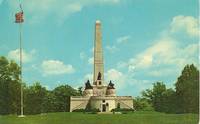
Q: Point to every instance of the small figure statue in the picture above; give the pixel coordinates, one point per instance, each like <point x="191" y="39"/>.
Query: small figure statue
<point x="88" y="85"/>
<point x="111" y="85"/>
<point x="99" y="76"/>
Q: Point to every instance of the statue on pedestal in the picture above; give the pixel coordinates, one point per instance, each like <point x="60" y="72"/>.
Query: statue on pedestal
<point x="111" y="85"/>
<point x="88" y="85"/>
<point x="99" y="76"/>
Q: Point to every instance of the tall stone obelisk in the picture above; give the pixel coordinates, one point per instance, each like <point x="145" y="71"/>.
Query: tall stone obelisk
<point x="98" y="75"/>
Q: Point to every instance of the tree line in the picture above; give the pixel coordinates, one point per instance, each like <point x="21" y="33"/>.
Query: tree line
<point x="183" y="99"/>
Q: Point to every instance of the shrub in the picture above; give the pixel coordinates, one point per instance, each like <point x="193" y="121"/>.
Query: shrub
<point x="122" y="110"/>
<point x="91" y="111"/>
<point x="79" y="110"/>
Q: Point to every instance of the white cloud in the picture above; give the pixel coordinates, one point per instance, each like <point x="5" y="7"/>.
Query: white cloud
<point x="113" y="74"/>
<point x="116" y="76"/>
<point x="119" y="40"/>
<point x="91" y="61"/>
<point x="123" y="81"/>
<point x="26" y="56"/>
<point x="123" y="39"/>
<point x="161" y="50"/>
<point x="188" y="24"/>
<point x="165" y="51"/>
<point x="112" y="49"/>
<point x="60" y="10"/>
<point x="56" y="67"/>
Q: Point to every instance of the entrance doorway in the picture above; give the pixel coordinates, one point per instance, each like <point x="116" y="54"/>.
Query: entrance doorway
<point x="103" y="108"/>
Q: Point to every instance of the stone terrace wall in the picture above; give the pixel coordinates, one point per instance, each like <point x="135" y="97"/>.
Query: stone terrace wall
<point x="125" y="102"/>
<point x="78" y="102"/>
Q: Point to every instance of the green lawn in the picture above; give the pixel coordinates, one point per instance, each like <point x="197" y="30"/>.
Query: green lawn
<point x="80" y="118"/>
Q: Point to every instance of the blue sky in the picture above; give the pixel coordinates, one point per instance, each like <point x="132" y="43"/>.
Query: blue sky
<point x="143" y="41"/>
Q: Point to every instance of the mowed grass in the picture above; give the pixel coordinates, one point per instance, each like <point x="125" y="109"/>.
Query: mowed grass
<point x="80" y="118"/>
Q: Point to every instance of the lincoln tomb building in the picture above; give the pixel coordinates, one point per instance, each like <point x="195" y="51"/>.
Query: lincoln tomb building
<point x="99" y="94"/>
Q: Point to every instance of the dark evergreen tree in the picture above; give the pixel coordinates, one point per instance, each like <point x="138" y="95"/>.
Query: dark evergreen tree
<point x="187" y="90"/>
<point x="169" y="101"/>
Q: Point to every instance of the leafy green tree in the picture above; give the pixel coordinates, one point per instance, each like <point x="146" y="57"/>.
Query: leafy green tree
<point x="142" y="104"/>
<point x="80" y="90"/>
<point x="62" y="97"/>
<point x="185" y="98"/>
<point x="187" y="90"/>
<point x="49" y="102"/>
<point x="9" y="87"/>
<point x="34" y="98"/>
<point x="156" y="96"/>
<point x="39" y="100"/>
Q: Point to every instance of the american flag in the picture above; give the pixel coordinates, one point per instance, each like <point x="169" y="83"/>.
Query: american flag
<point x="19" y="17"/>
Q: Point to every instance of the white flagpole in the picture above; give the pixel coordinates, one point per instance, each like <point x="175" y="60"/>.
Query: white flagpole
<point x="21" y="78"/>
